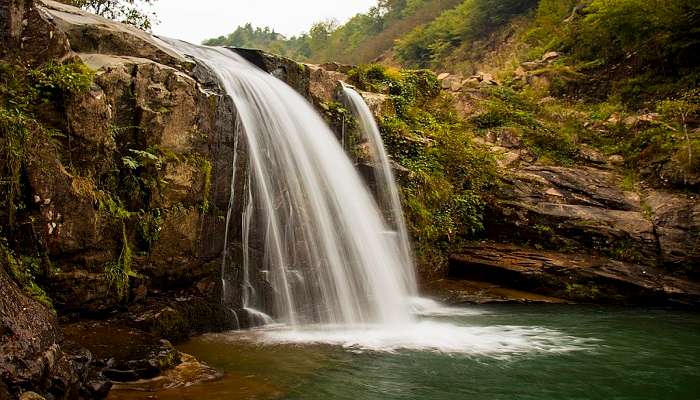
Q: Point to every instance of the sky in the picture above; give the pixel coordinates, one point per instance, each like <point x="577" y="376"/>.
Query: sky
<point x="197" y="20"/>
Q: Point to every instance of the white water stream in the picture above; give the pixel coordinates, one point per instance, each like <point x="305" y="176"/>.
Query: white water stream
<point x="386" y="187"/>
<point x="326" y="252"/>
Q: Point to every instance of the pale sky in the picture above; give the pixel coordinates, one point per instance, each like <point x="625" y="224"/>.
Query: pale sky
<point x="197" y="20"/>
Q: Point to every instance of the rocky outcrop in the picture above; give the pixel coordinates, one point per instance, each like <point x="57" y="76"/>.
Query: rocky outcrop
<point x="32" y="353"/>
<point x="578" y="233"/>
<point x="572" y="208"/>
<point x="27" y="34"/>
<point x="317" y="83"/>
<point x="581" y="278"/>
<point x="151" y="118"/>
<point x="91" y="34"/>
<point x="147" y="104"/>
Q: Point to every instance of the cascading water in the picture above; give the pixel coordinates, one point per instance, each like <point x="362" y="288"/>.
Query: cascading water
<point x="386" y="188"/>
<point x="326" y="254"/>
<point x="326" y="250"/>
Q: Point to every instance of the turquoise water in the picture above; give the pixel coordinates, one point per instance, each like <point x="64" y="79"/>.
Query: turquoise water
<point x="589" y="353"/>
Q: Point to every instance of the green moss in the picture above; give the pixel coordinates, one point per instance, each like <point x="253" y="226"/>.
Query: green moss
<point x="343" y="121"/>
<point x="205" y="168"/>
<point x="630" y="182"/>
<point x="25" y="271"/>
<point x="626" y="251"/>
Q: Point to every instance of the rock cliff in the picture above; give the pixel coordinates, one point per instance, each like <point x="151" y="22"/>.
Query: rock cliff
<point x="126" y="202"/>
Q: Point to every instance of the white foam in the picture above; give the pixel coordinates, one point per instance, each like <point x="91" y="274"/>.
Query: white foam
<point x="430" y="308"/>
<point x="492" y="341"/>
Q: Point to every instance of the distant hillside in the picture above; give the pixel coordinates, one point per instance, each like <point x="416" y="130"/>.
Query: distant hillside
<point x="362" y="39"/>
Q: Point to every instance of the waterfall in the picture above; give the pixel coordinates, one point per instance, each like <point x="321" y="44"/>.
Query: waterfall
<point x="387" y="191"/>
<point x="326" y="254"/>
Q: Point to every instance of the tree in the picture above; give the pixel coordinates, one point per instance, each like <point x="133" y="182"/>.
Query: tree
<point x="130" y="12"/>
<point x="681" y="110"/>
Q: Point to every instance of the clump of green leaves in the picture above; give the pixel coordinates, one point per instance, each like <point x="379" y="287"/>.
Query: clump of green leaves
<point x="150" y="224"/>
<point x="406" y="87"/>
<point x="25" y="88"/>
<point x="120" y="270"/>
<point x="53" y="81"/>
<point x="680" y="110"/>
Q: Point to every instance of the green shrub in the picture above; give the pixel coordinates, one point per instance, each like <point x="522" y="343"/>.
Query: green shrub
<point x="52" y="81"/>
<point x="547" y="136"/>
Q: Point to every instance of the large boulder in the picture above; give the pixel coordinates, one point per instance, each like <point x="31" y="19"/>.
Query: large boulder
<point x="27" y="34"/>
